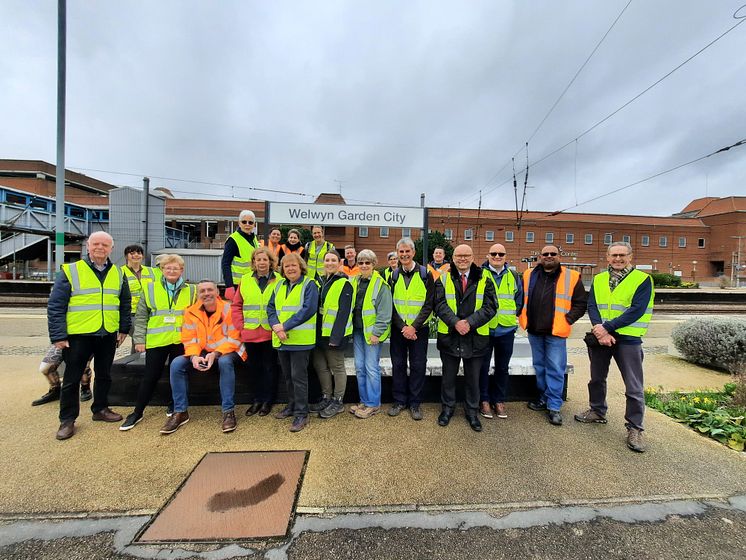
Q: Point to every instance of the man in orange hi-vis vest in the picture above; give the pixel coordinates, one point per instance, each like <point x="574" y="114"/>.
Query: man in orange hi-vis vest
<point x="553" y="299"/>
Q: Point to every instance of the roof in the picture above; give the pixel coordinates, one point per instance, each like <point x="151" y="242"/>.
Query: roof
<point x="724" y="206"/>
<point x="33" y="167"/>
<point x="530" y="218"/>
<point x="697" y="204"/>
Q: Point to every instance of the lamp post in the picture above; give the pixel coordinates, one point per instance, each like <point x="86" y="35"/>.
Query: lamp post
<point x="737" y="266"/>
<point x="655" y="265"/>
<point x="694" y="271"/>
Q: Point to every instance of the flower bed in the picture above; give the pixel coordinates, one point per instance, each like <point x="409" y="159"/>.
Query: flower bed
<point x="711" y="413"/>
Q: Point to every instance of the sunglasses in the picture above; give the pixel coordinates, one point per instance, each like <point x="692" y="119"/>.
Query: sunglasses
<point x="247" y="222"/>
<point x="548" y="254"/>
<point x="364" y="262"/>
<point x="496" y="254"/>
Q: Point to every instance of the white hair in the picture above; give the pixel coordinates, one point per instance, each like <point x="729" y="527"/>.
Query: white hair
<point x="247" y="213"/>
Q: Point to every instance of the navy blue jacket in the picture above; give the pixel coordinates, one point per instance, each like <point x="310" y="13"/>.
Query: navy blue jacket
<point x="636" y="310"/>
<point x="60" y="298"/>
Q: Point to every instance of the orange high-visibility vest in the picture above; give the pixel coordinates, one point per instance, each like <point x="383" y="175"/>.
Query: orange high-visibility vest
<point x="566" y="283"/>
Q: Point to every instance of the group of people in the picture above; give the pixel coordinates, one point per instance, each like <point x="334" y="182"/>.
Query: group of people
<point x="309" y="304"/>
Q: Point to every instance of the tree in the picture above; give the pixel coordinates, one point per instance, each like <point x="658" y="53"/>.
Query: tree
<point x="434" y="239"/>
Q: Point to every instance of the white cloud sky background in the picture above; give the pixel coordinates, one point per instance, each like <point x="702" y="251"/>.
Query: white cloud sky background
<point x="391" y="98"/>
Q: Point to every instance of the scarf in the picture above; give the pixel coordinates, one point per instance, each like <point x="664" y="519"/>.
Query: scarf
<point x="616" y="276"/>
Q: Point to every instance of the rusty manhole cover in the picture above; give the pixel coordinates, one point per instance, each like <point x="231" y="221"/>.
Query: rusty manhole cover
<point x="232" y="496"/>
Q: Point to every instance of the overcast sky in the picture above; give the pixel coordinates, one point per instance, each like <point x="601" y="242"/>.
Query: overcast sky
<point x="389" y="97"/>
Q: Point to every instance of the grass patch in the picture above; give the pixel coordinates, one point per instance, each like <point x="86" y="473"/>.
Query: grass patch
<point x="711" y="413"/>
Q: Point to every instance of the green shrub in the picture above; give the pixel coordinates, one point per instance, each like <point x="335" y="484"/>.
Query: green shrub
<point x="665" y="280"/>
<point x="713" y="341"/>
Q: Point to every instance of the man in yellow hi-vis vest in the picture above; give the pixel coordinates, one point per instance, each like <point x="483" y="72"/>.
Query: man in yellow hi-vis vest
<point x="88" y="314"/>
<point x="465" y="303"/>
<point x="620" y="306"/>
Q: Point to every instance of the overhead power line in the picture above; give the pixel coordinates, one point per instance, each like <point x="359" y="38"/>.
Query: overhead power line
<point x="741" y="19"/>
<point x="564" y="91"/>
<point x="209" y="183"/>
<point x="672" y="169"/>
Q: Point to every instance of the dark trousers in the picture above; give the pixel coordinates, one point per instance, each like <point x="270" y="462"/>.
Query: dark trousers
<point x="495" y="389"/>
<point x="261" y="360"/>
<point x="471" y="382"/>
<point x="294" y="365"/>
<point x="155" y="360"/>
<point x="408" y="389"/>
<point x="629" y="359"/>
<point x="76" y="357"/>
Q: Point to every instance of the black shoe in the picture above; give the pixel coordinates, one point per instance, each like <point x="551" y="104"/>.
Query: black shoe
<point x="321" y="405"/>
<point x="253" y="409"/>
<point x="555" y="417"/>
<point x="474" y="422"/>
<point x="130" y="422"/>
<point x="52" y="395"/>
<point x="444" y="418"/>
<point x="537" y="405"/>
<point x="85" y="393"/>
<point x="265" y="409"/>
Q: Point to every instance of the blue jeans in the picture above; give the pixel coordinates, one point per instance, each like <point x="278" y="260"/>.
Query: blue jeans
<point x="549" y="355"/>
<point x="367" y="369"/>
<point x="181" y="367"/>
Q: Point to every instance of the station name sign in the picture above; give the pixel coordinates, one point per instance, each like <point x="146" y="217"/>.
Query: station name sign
<point x="346" y="215"/>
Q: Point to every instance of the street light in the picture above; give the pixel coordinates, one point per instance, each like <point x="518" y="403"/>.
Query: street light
<point x="655" y="265"/>
<point x="694" y="271"/>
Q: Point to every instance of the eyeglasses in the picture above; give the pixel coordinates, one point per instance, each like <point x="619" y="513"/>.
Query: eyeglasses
<point x="618" y="255"/>
<point x="366" y="263"/>
<point x="496" y="254"/>
<point x="549" y="254"/>
<point x="251" y="223"/>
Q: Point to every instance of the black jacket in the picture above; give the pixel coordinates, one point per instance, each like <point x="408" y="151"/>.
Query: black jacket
<point x="472" y="344"/>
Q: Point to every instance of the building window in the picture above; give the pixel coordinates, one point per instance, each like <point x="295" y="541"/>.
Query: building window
<point x="529" y="237"/>
<point x="489" y="235"/>
<point x="384" y="231"/>
<point x="663" y="241"/>
<point x="645" y="240"/>
<point x="607" y="238"/>
<point x="549" y="237"/>
<point x="211" y="228"/>
<point x="448" y="234"/>
<point x="701" y="243"/>
<point x="406" y="232"/>
<point x="682" y="242"/>
<point x="509" y="236"/>
<point x="468" y="234"/>
<point x="626" y="238"/>
<point x="569" y="238"/>
<point x="362" y="231"/>
<point x="589" y="239"/>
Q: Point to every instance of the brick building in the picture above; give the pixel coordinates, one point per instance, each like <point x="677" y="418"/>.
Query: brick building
<point x="707" y="239"/>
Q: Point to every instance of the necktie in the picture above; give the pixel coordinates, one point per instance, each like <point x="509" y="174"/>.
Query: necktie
<point x="463" y="283"/>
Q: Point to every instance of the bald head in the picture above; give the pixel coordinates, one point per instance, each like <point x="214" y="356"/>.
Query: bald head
<point x="463" y="257"/>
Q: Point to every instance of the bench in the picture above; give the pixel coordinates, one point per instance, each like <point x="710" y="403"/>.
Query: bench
<point x="203" y="388"/>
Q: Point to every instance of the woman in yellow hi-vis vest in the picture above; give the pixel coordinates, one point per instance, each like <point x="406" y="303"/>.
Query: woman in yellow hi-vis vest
<point x="249" y="316"/>
<point x="157" y="330"/>
<point x="333" y="332"/>
<point x="292" y="315"/>
<point x="371" y="325"/>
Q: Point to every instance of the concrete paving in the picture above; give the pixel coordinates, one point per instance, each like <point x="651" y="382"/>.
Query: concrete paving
<point x="381" y="466"/>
